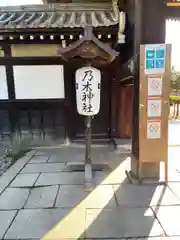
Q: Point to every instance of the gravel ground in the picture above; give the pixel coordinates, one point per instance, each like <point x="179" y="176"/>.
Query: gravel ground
<point x="5" y="162"/>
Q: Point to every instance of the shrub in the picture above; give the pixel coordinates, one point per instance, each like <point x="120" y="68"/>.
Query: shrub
<point x="174" y="99"/>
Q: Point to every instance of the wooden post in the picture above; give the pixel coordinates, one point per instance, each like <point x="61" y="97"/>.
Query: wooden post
<point x="153" y="115"/>
<point x="147" y="15"/>
<point x="88" y="161"/>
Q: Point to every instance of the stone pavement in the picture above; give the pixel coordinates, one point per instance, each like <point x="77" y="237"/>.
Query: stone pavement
<point x="40" y="199"/>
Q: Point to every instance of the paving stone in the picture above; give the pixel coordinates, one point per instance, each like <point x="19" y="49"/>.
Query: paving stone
<point x="109" y="178"/>
<point x="42" y="197"/>
<point x="6" y="217"/>
<point x="168" y="217"/>
<point x="77" y="154"/>
<point x="39" y="159"/>
<point x="13" y="198"/>
<point x="99" y="177"/>
<point x="175" y="188"/>
<point x="42" y="153"/>
<point x="36" y="223"/>
<point x="43" y="168"/>
<point x="67" y="157"/>
<point x="64" y="178"/>
<point x="101" y="197"/>
<point x="25" y="180"/>
<point x="122" y="223"/>
<point x="31" y="153"/>
<point x="70" y="196"/>
<point x="144" y="196"/>
<point x="10" y="174"/>
<point x="173" y="175"/>
<point x="148" y="238"/>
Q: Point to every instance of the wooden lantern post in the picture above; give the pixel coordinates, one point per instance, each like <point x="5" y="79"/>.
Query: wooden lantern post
<point x="88" y="53"/>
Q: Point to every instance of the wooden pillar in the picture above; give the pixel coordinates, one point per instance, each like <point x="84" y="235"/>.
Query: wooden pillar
<point x="153" y="21"/>
<point x="149" y="28"/>
<point x="12" y="113"/>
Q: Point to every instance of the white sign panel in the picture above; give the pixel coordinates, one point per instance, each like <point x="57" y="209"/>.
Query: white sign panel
<point x="154" y="107"/>
<point x="155" y="56"/>
<point x="155" y="86"/>
<point x="3" y="84"/>
<point x="39" y="82"/>
<point x="88" y="80"/>
<point x="153" y="129"/>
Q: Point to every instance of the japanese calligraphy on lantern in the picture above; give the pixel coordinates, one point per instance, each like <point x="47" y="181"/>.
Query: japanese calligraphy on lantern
<point x="154" y="129"/>
<point x="88" y="82"/>
<point x="154" y="107"/>
<point x="155" y="86"/>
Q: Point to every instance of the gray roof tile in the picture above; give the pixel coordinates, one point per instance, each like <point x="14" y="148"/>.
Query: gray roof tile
<point x="61" y="16"/>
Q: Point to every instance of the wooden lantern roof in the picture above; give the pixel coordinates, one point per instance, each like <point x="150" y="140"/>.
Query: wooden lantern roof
<point x="69" y="15"/>
<point x="90" y="50"/>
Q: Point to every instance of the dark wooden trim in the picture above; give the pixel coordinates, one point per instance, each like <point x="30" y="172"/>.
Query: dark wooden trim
<point x="32" y="61"/>
<point x="137" y="42"/>
<point x="29" y="101"/>
<point x="47" y="100"/>
<point x="4" y="102"/>
<point x="66" y="32"/>
<point x="9" y="73"/>
<point x="63" y="31"/>
<point x="172" y="12"/>
<point x="68" y="75"/>
<point x="114" y="109"/>
<point x="155" y="8"/>
<point x="57" y="40"/>
<point x="11" y="90"/>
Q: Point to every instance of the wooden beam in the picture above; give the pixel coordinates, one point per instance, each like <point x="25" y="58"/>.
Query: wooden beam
<point x="173" y="4"/>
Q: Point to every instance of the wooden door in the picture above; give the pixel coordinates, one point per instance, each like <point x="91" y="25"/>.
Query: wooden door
<point x="122" y="106"/>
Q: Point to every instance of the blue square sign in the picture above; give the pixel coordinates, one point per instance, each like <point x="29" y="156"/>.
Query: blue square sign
<point x="159" y="63"/>
<point x="160" y="53"/>
<point x="150" y="54"/>
<point x="150" y="64"/>
<point x="155" y="55"/>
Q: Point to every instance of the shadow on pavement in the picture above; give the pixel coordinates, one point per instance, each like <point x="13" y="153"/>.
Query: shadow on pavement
<point x="114" y="209"/>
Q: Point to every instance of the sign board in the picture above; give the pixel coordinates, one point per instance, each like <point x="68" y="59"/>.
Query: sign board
<point x="155" y="69"/>
<point x="154" y="129"/>
<point x="88" y="84"/>
<point x="154" y="107"/>
<point x="155" y="58"/>
<point x="155" y="86"/>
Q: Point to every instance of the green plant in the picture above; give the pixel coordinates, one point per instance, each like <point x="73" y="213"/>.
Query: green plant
<point x="175" y="80"/>
<point x="174" y="99"/>
<point x="17" y="156"/>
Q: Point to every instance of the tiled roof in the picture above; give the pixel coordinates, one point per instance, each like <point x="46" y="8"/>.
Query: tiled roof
<point x="57" y="16"/>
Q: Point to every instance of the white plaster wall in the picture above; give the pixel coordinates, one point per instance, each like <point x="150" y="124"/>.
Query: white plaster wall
<point x="19" y="2"/>
<point x="39" y="82"/>
<point x="3" y="84"/>
<point x="173" y="37"/>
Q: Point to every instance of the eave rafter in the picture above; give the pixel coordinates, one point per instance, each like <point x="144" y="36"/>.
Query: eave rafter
<point x="89" y="48"/>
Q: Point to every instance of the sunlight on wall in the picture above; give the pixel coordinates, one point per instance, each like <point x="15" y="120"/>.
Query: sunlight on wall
<point x="173" y="37"/>
<point x="19" y="2"/>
